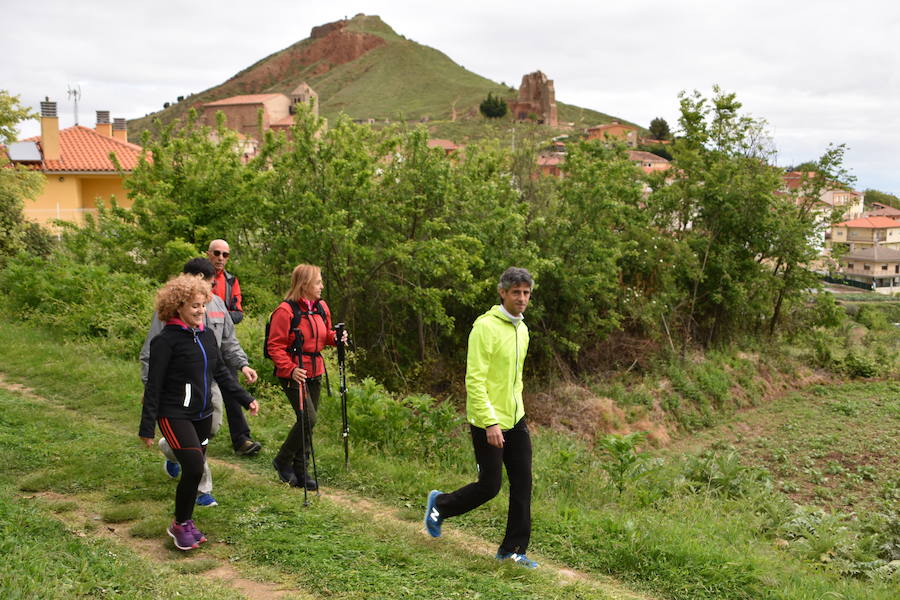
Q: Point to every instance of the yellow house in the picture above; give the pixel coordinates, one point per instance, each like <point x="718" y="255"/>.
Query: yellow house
<point x="76" y="162"/>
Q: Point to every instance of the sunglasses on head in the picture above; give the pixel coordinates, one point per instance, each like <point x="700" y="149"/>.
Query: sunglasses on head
<point x="224" y="253"/>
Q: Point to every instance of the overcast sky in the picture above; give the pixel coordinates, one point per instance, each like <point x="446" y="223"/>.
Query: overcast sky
<point x="819" y="72"/>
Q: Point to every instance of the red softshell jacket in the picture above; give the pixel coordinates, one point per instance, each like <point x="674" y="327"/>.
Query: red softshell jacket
<point x="316" y="334"/>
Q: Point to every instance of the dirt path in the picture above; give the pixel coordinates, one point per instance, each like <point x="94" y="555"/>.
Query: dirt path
<point x="222" y="570"/>
<point x="158" y="551"/>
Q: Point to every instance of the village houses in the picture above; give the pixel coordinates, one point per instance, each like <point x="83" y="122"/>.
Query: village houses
<point x="77" y="166"/>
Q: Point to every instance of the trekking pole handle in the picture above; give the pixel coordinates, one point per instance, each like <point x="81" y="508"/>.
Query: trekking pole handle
<point x="339" y="331"/>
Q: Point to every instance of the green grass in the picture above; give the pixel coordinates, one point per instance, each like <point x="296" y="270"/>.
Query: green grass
<point x="691" y="528"/>
<point x="43" y="558"/>
<point x="80" y="443"/>
<point x="831" y="446"/>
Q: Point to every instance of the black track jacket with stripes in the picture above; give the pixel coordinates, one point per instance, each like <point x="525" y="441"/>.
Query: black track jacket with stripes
<point x="183" y="363"/>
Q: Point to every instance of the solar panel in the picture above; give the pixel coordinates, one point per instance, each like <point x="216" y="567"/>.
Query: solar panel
<point x="24" y="152"/>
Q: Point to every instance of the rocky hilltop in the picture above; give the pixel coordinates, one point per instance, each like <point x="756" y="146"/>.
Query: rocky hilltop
<point x="363" y="68"/>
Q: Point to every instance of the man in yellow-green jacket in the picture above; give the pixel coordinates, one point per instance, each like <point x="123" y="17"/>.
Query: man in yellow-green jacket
<point x="497" y="346"/>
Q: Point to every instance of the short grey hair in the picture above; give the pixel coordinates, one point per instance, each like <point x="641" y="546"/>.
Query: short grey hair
<point x="515" y="276"/>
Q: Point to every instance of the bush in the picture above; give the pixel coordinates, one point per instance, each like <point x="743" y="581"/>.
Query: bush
<point x="625" y="464"/>
<point x="411" y="426"/>
<point x="856" y="364"/>
<point x="493" y="107"/>
<point x="721" y="474"/>
<point x="873" y="318"/>
<point x="84" y="301"/>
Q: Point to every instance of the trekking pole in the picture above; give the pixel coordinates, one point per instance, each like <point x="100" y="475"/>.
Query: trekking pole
<point x="312" y="450"/>
<point x="339" y="330"/>
<point x="296" y="349"/>
<point x="301" y="393"/>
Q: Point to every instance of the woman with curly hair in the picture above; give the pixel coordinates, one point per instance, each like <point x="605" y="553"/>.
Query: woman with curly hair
<point x="184" y="359"/>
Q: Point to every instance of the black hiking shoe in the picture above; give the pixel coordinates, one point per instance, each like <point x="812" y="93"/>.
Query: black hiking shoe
<point x="286" y="474"/>
<point x="248" y="448"/>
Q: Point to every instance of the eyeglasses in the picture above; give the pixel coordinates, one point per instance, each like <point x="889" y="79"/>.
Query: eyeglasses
<point x="224" y="254"/>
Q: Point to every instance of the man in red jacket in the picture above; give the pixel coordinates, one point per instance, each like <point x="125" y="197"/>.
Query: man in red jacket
<point x="224" y="284"/>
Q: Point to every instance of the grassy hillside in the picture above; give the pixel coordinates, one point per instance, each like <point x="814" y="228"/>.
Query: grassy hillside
<point x="398" y="79"/>
<point x="686" y="525"/>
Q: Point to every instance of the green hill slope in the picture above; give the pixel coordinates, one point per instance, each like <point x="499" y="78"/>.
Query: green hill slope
<point x="363" y="68"/>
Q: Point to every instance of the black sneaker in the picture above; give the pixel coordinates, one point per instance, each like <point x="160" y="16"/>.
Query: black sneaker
<point x="286" y="474"/>
<point x="248" y="448"/>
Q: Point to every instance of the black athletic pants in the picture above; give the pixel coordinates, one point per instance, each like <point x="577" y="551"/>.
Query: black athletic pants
<point x="237" y="423"/>
<point x="516" y="456"/>
<point x="293" y="451"/>
<point x="188" y="440"/>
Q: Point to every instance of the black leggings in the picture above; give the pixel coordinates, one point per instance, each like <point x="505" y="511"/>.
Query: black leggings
<point x="516" y="456"/>
<point x="188" y="440"/>
<point x="293" y="452"/>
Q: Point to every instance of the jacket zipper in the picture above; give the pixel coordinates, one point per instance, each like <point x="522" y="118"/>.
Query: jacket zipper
<point x="515" y="376"/>
<point x="205" y="369"/>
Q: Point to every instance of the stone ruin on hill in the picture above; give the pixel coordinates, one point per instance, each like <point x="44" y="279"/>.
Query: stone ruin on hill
<point x="537" y="100"/>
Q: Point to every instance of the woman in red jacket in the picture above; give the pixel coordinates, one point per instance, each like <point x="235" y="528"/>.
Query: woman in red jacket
<point x="299" y="329"/>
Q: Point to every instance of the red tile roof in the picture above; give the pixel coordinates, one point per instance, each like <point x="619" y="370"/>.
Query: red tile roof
<point x="871" y="223"/>
<point x="645" y="156"/>
<point x="549" y="160"/>
<point x="245" y="99"/>
<point x="445" y="144"/>
<point x="287" y="121"/>
<point x="83" y="149"/>
<point x="794" y="179"/>
<point x="887" y="211"/>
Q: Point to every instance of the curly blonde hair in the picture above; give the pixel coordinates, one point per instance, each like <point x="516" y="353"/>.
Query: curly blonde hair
<point x="179" y="290"/>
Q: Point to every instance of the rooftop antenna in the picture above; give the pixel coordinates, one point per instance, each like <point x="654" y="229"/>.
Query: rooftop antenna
<point x="74" y="94"/>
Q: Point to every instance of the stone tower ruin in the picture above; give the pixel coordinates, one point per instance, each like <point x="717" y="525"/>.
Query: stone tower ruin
<point x="537" y="100"/>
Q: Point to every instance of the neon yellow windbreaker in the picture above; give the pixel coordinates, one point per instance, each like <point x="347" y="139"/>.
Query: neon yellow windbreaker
<point x="494" y="365"/>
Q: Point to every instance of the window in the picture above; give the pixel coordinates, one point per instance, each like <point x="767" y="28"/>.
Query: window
<point x="849" y="265"/>
<point x="884" y="267"/>
<point x="867" y="267"/>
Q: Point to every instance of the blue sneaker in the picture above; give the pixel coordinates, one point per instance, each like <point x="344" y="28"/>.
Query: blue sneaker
<point x="519" y="559"/>
<point x="172" y="468"/>
<point x="433" y="518"/>
<point x="206" y="500"/>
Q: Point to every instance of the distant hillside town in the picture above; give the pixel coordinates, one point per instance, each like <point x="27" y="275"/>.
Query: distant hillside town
<point x="76" y="161"/>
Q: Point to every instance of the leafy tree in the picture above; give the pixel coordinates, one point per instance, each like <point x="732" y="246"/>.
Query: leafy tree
<point x="190" y="192"/>
<point x="583" y="241"/>
<point x="17" y="184"/>
<point x="399" y="229"/>
<point x="722" y="209"/>
<point x="804" y="167"/>
<point x="882" y="198"/>
<point x="797" y="234"/>
<point x="493" y="107"/>
<point x="11" y="114"/>
<point x="411" y="242"/>
<point x="659" y="129"/>
<point x="662" y="150"/>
